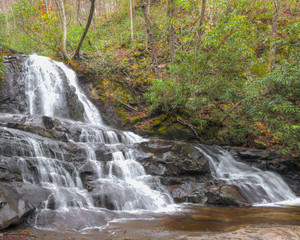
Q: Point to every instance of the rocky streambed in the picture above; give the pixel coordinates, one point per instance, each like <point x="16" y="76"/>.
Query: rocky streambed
<point x="179" y="166"/>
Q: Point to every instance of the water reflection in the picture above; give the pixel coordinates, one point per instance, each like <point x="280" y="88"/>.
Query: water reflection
<point x="218" y="219"/>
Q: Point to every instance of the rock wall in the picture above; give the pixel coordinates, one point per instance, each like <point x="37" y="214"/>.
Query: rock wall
<point x="12" y="90"/>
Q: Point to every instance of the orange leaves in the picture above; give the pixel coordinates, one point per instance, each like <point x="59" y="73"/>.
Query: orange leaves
<point x="46" y="10"/>
<point x="261" y="127"/>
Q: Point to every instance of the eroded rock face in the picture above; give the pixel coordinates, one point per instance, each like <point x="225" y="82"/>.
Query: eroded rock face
<point x="12" y="90"/>
<point x="185" y="173"/>
<point x="177" y="165"/>
<point x="13" y="208"/>
<point x="171" y="158"/>
<point x="268" y="160"/>
<point x="13" y="98"/>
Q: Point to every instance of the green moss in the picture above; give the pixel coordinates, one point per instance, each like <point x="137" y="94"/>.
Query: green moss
<point x="57" y="121"/>
<point x="187" y="150"/>
<point x="260" y="145"/>
<point x="163" y="129"/>
<point x="177" y="131"/>
<point x="17" y="175"/>
<point x="259" y="70"/>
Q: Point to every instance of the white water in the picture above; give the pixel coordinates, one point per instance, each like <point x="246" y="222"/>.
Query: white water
<point x="46" y="83"/>
<point x="257" y="186"/>
<point x="121" y="183"/>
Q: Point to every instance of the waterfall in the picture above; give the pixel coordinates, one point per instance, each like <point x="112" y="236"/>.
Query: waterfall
<point x="91" y="171"/>
<point x="118" y="184"/>
<point x="49" y="85"/>
<point x="257" y="186"/>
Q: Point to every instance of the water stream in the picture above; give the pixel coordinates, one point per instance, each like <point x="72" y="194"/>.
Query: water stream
<point x="257" y="186"/>
<point x="121" y="184"/>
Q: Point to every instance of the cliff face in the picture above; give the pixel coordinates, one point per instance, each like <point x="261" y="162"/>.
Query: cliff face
<point x="12" y="90"/>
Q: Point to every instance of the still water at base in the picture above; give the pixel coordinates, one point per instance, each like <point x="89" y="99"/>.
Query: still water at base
<point x="191" y="220"/>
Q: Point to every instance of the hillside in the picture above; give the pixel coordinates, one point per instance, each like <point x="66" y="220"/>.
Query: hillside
<point x="218" y="72"/>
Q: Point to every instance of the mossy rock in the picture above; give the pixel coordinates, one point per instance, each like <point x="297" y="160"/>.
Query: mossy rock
<point x="232" y="136"/>
<point x="260" y="145"/>
<point x="175" y="131"/>
<point x="230" y="195"/>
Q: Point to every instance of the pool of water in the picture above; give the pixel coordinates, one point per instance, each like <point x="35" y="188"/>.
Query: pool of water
<point x="190" y="220"/>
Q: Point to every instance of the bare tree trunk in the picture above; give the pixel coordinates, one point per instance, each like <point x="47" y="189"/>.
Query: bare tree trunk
<point x="274" y="33"/>
<point x="147" y="40"/>
<point x="6" y="19"/>
<point x="151" y="39"/>
<point x="92" y="9"/>
<point x="64" y="22"/>
<point x="202" y="14"/>
<point x="131" y="19"/>
<point x="170" y="14"/>
<point x="79" y="12"/>
<point x="211" y="14"/>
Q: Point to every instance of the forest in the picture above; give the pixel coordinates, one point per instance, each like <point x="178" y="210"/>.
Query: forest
<point x="217" y="71"/>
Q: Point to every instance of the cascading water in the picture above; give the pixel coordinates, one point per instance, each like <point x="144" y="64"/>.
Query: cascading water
<point x="49" y="85"/>
<point x="88" y="168"/>
<point x="257" y="186"/>
<point x="119" y="184"/>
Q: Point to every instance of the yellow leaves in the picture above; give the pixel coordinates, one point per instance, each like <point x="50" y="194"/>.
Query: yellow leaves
<point x="277" y="137"/>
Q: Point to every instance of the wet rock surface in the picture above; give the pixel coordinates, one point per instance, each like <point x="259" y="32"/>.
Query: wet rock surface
<point x="171" y="158"/>
<point x="179" y="166"/>
<point x="13" y="207"/>
<point x="13" y="98"/>
<point x="12" y="92"/>
<point x="185" y="172"/>
<point x="265" y="160"/>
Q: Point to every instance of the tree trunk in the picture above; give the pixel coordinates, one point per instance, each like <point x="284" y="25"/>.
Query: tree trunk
<point x="64" y="22"/>
<point x="151" y="39"/>
<point x="211" y="14"/>
<point x="170" y="14"/>
<point x="202" y="14"/>
<point x="147" y="40"/>
<point x="79" y="12"/>
<point x="92" y="9"/>
<point x="5" y="16"/>
<point x="274" y="33"/>
<point x="131" y="19"/>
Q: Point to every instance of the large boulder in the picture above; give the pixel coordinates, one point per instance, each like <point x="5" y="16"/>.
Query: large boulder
<point x="13" y="208"/>
<point x="185" y="173"/>
<point x="172" y="158"/>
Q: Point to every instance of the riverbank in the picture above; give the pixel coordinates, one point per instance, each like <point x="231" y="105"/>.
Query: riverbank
<point x="265" y="232"/>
